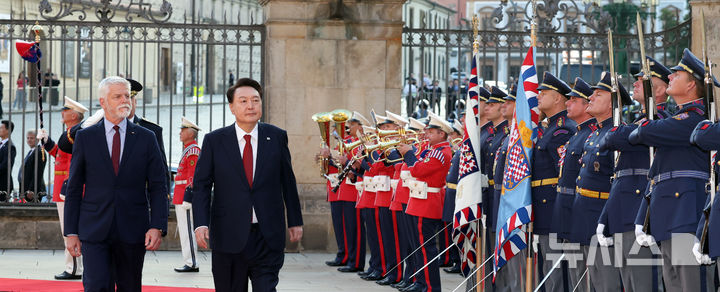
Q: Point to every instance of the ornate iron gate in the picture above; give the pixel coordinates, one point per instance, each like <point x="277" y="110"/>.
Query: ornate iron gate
<point x="572" y="42"/>
<point x="183" y="62"/>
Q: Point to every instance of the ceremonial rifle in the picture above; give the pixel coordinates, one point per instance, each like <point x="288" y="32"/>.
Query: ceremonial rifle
<point x="711" y="114"/>
<point x="649" y="100"/>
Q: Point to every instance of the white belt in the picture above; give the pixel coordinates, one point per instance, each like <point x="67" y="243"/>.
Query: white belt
<point x="420" y="189"/>
<point x="382" y="183"/>
<point x="394" y="183"/>
<point x="333" y="178"/>
<point x="181" y="182"/>
<point x="406" y="177"/>
<point x="348" y="181"/>
<point x="359" y="186"/>
<point x="369" y="184"/>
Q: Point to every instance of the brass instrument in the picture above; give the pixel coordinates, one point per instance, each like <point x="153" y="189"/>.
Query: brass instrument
<point x="340" y="117"/>
<point x="455" y="142"/>
<point x="323" y="120"/>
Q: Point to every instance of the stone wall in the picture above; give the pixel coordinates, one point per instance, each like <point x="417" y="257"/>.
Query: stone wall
<point x="711" y="8"/>
<point x="316" y="64"/>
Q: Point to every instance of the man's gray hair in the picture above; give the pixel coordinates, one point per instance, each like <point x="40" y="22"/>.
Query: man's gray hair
<point x="111" y="80"/>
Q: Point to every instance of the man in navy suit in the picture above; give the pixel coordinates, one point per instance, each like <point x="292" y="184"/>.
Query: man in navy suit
<point x="248" y="164"/>
<point x="116" y="204"/>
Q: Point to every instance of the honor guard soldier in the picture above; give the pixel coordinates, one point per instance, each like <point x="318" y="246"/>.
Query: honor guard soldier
<point x="510" y="278"/>
<point x="593" y="185"/>
<point x="628" y="186"/>
<point x="451" y="258"/>
<point x="501" y="129"/>
<point x="135" y="88"/>
<point x="569" y="164"/>
<point x="660" y="80"/>
<point x="426" y="197"/>
<point x="553" y="133"/>
<point x="706" y="136"/>
<point x="353" y="228"/>
<point x="678" y="176"/>
<point x="72" y="114"/>
<point x="183" y="183"/>
<point x="405" y="221"/>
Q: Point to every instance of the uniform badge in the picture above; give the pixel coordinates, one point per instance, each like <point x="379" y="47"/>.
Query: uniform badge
<point x="596" y="165"/>
<point x="560" y="122"/>
<point x="192" y="162"/>
<point x="681" y="116"/>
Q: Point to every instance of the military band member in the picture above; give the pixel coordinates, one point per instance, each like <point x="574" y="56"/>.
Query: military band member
<point x="510" y="277"/>
<point x="427" y="195"/>
<point x="553" y="133"/>
<point x="399" y="206"/>
<point x="353" y="227"/>
<point x="72" y="114"/>
<point x="371" y="165"/>
<point x="678" y="175"/>
<point x="183" y="208"/>
<point x="384" y="192"/>
<point x="593" y="187"/>
<point x="628" y="188"/>
<point x="569" y="163"/>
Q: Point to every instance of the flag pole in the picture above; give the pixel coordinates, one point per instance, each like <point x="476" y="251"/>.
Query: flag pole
<point x="480" y="243"/>
<point x="529" y="259"/>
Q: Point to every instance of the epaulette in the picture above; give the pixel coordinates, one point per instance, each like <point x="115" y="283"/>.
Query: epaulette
<point x="149" y="122"/>
<point x="194" y="151"/>
<point x="437" y="154"/>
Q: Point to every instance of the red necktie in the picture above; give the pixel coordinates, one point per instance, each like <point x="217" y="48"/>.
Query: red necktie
<point x="116" y="149"/>
<point x="248" y="159"/>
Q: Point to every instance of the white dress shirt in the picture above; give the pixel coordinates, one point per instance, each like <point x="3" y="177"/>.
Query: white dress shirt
<point x="254" y="144"/>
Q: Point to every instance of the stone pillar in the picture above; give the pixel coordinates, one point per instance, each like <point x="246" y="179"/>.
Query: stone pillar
<point x="711" y="8"/>
<point x="317" y="64"/>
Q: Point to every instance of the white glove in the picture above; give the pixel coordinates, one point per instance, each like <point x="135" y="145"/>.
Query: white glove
<point x="42" y="135"/>
<point x="602" y="240"/>
<point x="701" y="258"/>
<point x="642" y="238"/>
<point x="484" y="181"/>
<point x="186" y="205"/>
<point x="536" y="243"/>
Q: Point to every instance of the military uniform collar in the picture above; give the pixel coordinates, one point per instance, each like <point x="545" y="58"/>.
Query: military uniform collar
<point x="558" y="115"/>
<point x="586" y="124"/>
<point x="501" y="125"/>
<point x="441" y="144"/>
<point x="697" y="102"/>
<point x="191" y="143"/>
<point x="487" y="124"/>
<point x="606" y="123"/>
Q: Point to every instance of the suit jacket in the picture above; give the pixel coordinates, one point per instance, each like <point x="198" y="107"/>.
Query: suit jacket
<point x="157" y="130"/>
<point x="228" y="212"/>
<point x="29" y="173"/>
<point x="6" y="166"/>
<point x="119" y="200"/>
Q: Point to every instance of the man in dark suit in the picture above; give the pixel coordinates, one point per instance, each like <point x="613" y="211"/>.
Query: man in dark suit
<point x="6" y="160"/>
<point x="135" y="88"/>
<point x="248" y="163"/>
<point x="116" y="200"/>
<point x="30" y="175"/>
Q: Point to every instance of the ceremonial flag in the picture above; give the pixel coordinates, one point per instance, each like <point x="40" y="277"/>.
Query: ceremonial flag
<point x="515" y="206"/>
<point x="469" y="188"/>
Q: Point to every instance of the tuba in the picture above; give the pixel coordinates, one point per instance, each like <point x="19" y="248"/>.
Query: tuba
<point x="323" y="120"/>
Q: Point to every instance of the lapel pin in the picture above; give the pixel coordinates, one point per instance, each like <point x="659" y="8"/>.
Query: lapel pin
<point x="268" y="138"/>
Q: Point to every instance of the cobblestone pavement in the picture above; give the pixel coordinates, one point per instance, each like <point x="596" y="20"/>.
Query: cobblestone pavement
<point x="301" y="272"/>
